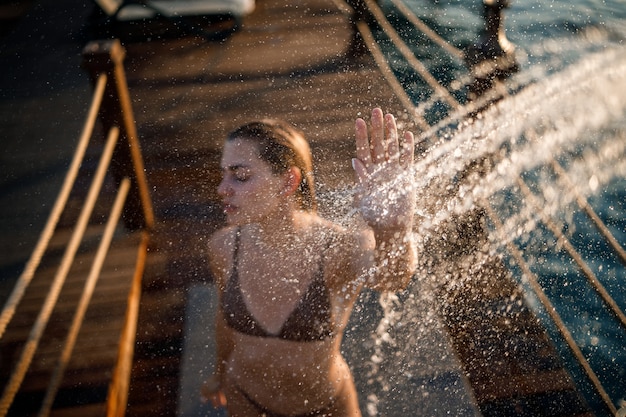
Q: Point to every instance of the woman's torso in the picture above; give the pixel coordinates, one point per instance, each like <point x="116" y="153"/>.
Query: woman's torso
<point x="279" y="370"/>
<point x="288" y="377"/>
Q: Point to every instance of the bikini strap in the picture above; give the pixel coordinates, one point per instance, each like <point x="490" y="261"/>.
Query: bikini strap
<point x="236" y="247"/>
<point x="327" y="248"/>
<point x="321" y="266"/>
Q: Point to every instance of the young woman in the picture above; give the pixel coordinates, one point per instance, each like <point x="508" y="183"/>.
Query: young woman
<point x="288" y="279"/>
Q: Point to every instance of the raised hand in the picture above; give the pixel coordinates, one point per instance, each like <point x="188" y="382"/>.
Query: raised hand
<point x="383" y="166"/>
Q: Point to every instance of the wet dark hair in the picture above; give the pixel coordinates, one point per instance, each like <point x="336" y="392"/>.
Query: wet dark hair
<point x="282" y="146"/>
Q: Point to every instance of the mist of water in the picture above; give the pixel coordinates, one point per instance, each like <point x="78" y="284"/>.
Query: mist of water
<point x="574" y="118"/>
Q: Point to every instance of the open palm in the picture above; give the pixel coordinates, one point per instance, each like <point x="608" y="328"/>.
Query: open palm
<point x="384" y="162"/>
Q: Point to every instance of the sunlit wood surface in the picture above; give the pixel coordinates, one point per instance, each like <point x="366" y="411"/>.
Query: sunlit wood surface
<point x="84" y="387"/>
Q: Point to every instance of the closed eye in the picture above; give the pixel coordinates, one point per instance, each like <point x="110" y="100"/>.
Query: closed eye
<point x="238" y="173"/>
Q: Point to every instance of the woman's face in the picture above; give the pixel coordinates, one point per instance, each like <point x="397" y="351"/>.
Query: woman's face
<point x="250" y="191"/>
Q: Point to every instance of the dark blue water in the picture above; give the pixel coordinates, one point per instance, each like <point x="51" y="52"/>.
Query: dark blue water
<point x="549" y="36"/>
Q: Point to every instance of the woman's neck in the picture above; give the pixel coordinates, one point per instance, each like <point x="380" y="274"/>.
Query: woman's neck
<point x="281" y="229"/>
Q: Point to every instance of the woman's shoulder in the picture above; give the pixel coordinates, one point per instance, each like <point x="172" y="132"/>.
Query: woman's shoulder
<point x="220" y="250"/>
<point x="223" y="238"/>
<point x="343" y="248"/>
<point x="349" y="234"/>
<point x="325" y="229"/>
<point x="341" y="242"/>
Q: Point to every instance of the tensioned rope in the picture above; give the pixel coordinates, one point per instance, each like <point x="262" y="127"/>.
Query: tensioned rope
<point x="387" y="72"/>
<point x="34" y="337"/>
<point x="551" y="311"/>
<point x="403" y="48"/>
<point x="586" y="207"/>
<point x="589" y="211"/>
<point x="88" y="290"/>
<point x="117" y="396"/>
<point x="556" y="230"/>
<point x="426" y="30"/>
<point x="44" y="239"/>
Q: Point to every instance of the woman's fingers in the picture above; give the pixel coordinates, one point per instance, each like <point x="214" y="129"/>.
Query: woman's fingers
<point x="382" y="143"/>
<point x="406" y="150"/>
<point x="211" y="392"/>
<point x="359" y="170"/>
<point x="363" y="152"/>
<point x="378" y="143"/>
<point x="391" y="133"/>
<point x="371" y="147"/>
<point x="384" y="195"/>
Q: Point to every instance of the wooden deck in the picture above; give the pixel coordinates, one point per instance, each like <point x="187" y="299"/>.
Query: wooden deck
<point x="83" y="390"/>
<point x="288" y="61"/>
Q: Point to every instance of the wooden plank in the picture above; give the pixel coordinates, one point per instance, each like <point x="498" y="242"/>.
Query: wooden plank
<point x="118" y="388"/>
<point x="95" y="352"/>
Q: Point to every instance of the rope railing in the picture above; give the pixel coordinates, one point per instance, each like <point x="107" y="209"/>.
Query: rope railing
<point x="551" y="311"/>
<point x="22" y="365"/>
<point x="122" y="158"/>
<point x="118" y="388"/>
<point x="426" y="30"/>
<point x="589" y="274"/>
<point x="88" y="290"/>
<point x="586" y="207"/>
<point x="44" y="239"/>
<point x="590" y="212"/>
<point x="457" y="112"/>
<point x="393" y="82"/>
<point x="406" y="52"/>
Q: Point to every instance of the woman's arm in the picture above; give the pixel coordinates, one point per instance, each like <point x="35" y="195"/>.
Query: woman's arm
<point x="386" y="199"/>
<point x="225" y="345"/>
<point x="212" y="387"/>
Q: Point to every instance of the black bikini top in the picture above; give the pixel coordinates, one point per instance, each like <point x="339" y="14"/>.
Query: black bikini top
<point x="309" y="321"/>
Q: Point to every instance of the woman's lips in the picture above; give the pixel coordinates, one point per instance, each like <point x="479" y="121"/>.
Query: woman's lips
<point x="229" y="208"/>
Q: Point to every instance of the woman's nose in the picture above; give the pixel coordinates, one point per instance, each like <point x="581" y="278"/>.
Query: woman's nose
<point x="223" y="189"/>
